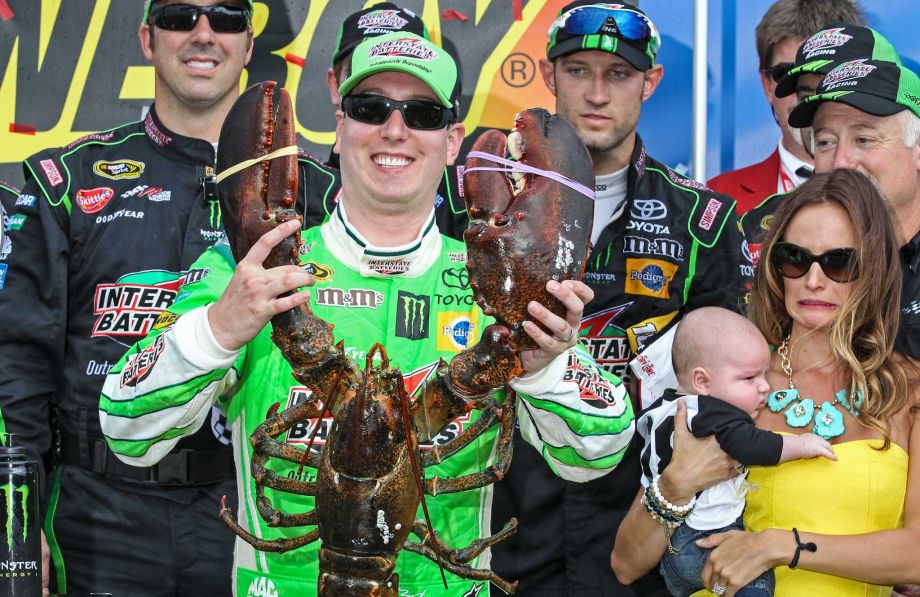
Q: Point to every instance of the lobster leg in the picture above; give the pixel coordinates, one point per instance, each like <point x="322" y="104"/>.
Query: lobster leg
<point x="456" y="560"/>
<point x="496" y="472"/>
<point x="275" y="545"/>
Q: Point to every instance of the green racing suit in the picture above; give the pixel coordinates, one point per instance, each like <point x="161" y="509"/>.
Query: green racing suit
<point x="417" y="301"/>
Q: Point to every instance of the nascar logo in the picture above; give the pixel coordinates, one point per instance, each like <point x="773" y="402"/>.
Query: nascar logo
<point x="119" y="169"/>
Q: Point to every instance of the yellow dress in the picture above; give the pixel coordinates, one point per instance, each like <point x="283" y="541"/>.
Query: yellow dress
<point x="863" y="491"/>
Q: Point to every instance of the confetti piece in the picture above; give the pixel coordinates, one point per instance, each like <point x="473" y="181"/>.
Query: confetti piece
<point x="518" y="10"/>
<point x="450" y="13"/>
<point x="6" y="13"/>
<point x="292" y="58"/>
<point x="22" y="129"/>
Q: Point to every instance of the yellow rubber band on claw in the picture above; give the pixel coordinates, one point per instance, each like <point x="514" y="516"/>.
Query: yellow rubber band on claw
<point x="289" y="150"/>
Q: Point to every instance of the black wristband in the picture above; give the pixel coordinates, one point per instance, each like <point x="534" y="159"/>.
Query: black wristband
<point x="799" y="546"/>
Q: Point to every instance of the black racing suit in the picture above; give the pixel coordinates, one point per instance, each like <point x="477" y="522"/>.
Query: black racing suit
<point x="674" y="247"/>
<point x="110" y="225"/>
<point x="9" y="195"/>
<point x="756" y="222"/>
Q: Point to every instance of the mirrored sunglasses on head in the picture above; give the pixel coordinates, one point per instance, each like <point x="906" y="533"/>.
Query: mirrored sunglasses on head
<point x="793" y="261"/>
<point x="184" y="17"/>
<point x="421" y="115"/>
<point x="622" y="22"/>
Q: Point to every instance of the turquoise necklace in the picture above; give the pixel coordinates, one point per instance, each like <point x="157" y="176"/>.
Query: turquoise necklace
<point x="828" y="420"/>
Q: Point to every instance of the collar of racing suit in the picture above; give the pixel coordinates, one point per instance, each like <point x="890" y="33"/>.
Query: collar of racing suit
<point x="410" y="260"/>
<point x="176" y="146"/>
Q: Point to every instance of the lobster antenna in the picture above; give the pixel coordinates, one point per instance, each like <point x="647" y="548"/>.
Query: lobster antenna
<point x="333" y="389"/>
<point x="416" y="471"/>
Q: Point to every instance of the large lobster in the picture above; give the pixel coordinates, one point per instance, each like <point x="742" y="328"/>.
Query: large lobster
<point x="526" y="229"/>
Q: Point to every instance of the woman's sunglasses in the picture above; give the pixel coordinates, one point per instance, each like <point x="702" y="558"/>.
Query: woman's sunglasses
<point x="184" y="17"/>
<point x="417" y="114"/>
<point x="792" y="261"/>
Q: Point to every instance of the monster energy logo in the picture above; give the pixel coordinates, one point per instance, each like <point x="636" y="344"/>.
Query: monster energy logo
<point x="412" y="315"/>
<point x="9" y="494"/>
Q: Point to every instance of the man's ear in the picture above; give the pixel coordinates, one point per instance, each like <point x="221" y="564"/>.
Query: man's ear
<point x="455" y="136"/>
<point x="547" y="71"/>
<point x="252" y="43"/>
<point x="700" y="380"/>
<point x="653" y="77"/>
<point x="333" y="86"/>
<point x="146" y="39"/>
<point x="339" y="123"/>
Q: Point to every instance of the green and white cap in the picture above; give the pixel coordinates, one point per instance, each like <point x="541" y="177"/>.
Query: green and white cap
<point x="406" y="53"/>
<point x="148" y="4"/>
<point x="876" y="87"/>
<point x="833" y="45"/>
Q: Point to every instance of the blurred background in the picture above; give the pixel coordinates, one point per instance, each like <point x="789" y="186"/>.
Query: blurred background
<point x="71" y="67"/>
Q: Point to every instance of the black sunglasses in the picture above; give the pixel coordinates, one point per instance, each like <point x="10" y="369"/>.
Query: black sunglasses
<point x="184" y="17"/>
<point x="778" y="70"/>
<point x="422" y="115"/>
<point x="792" y="261"/>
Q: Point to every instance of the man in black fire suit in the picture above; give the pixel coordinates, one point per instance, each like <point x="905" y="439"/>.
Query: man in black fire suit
<point x="662" y="245"/>
<point x="106" y="229"/>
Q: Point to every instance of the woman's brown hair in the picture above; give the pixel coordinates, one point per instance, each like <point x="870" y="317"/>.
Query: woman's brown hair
<point x="862" y="336"/>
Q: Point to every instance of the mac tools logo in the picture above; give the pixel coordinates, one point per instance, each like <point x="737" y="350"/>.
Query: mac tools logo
<point x="823" y="42"/>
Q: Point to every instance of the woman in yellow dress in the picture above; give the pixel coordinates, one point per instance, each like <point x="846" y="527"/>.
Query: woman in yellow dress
<point x="826" y="295"/>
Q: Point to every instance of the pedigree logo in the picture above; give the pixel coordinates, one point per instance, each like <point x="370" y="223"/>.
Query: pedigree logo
<point x="92" y="200"/>
<point x="406" y="47"/>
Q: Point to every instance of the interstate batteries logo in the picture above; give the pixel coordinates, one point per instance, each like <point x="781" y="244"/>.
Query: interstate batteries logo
<point x="414" y="382"/>
<point x="405" y="47"/>
<point x="130" y="307"/>
<point x="847" y="74"/>
<point x="381" y="21"/>
<point x="824" y="42"/>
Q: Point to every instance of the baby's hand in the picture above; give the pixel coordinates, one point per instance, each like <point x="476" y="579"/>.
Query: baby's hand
<point x="810" y="446"/>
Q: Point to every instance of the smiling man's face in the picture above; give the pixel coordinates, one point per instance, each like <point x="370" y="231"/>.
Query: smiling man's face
<point x="196" y="69"/>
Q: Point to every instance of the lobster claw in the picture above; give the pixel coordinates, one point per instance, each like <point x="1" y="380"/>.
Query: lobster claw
<point x="526" y="228"/>
<point x="260" y="196"/>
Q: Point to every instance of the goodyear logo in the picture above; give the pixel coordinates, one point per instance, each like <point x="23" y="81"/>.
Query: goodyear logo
<point x="649" y="277"/>
<point x="412" y="314"/>
<point x="457" y="330"/>
<point x="118" y="169"/>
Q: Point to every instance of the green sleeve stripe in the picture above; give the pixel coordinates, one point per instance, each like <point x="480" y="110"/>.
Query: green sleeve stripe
<point x="162" y="399"/>
<point x="585" y="424"/>
<point x="691" y="269"/>
<point x="135" y="448"/>
<point x="568" y="456"/>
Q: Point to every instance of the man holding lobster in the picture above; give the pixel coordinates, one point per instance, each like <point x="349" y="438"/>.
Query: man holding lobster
<point x="380" y="272"/>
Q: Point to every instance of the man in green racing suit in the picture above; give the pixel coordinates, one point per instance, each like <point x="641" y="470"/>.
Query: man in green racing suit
<point x="380" y="271"/>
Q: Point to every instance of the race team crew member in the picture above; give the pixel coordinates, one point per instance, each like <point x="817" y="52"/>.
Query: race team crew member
<point x="662" y="245"/>
<point x="865" y="115"/>
<point x="214" y="345"/>
<point x="104" y="234"/>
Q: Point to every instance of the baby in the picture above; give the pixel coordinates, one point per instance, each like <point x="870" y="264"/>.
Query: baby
<point x="720" y="359"/>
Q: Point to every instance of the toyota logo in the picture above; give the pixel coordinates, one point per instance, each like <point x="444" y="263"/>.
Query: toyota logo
<point x="648" y="209"/>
